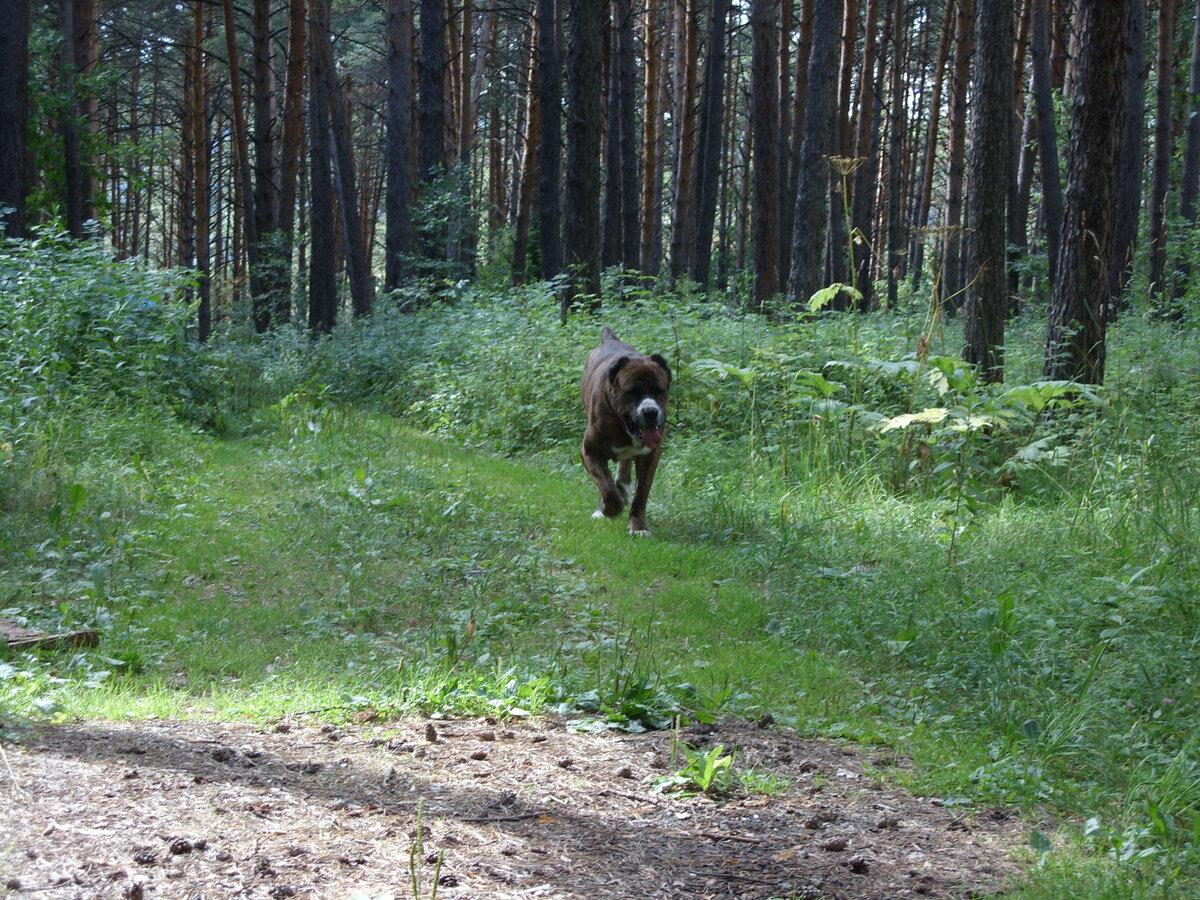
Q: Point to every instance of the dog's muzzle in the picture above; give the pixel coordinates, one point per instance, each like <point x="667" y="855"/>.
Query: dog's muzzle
<point x="648" y="422"/>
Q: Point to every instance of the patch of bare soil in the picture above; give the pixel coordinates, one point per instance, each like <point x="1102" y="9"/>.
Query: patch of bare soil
<point x="220" y="810"/>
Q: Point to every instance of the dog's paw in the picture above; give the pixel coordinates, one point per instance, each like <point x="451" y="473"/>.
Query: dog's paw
<point x="637" y="528"/>
<point x="612" y="503"/>
<point x="598" y="514"/>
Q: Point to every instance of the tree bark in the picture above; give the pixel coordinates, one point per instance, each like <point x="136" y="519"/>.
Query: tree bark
<point x="865" y="181"/>
<point x="398" y="238"/>
<point x="651" y="130"/>
<point x="957" y="127"/>
<point x="431" y="91"/>
<point x="1075" y="343"/>
<point x="243" y="182"/>
<point x="14" y="114"/>
<point x="764" y="141"/>
<point x="362" y="290"/>
<point x="1164" y="146"/>
<point x="1189" y="180"/>
<point x="684" y="113"/>
<point x="549" y="95"/>
<point x="925" y="184"/>
<point x="1129" y="175"/>
<point x="200" y="143"/>
<point x="820" y="115"/>
<point x="708" y="149"/>
<point x="322" y="277"/>
<point x="987" y="180"/>
<point x="585" y="126"/>
<point x="1047" y="136"/>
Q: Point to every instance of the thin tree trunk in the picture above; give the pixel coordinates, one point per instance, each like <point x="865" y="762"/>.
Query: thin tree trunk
<point x="1164" y="146"/>
<point x="866" y="181"/>
<point x="200" y="141"/>
<point x="549" y="93"/>
<point x="925" y="185"/>
<point x="14" y="113"/>
<point x="243" y="182"/>
<point x="399" y="240"/>
<point x="530" y="169"/>
<point x="895" y="258"/>
<point x="764" y="125"/>
<point x="322" y="279"/>
<point x="708" y="148"/>
<point x="1052" y="200"/>
<point x="585" y="126"/>
<point x="651" y="130"/>
<point x="957" y="126"/>
<point x="1129" y="175"/>
<point x="1189" y="180"/>
<point x="987" y="178"/>
<point x="1075" y="342"/>
<point x="362" y="291"/>
<point x="820" y="114"/>
<point x="684" y="113"/>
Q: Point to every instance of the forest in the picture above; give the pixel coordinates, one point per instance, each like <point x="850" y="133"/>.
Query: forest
<point x="305" y="158"/>
<point x="300" y="593"/>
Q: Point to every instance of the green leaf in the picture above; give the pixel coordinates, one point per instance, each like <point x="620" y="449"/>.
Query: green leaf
<point x="1040" y="843"/>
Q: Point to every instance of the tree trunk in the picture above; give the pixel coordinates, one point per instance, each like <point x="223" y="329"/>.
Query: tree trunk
<point x="896" y="255"/>
<point x="627" y="91"/>
<point x="431" y="91"/>
<point x="243" y="183"/>
<point x="1189" y="180"/>
<point x="820" y="115"/>
<point x="362" y="291"/>
<point x="764" y="125"/>
<point x="708" y="149"/>
<point x="611" y="232"/>
<point x="550" y="93"/>
<point x="865" y="182"/>
<point x="14" y="114"/>
<point x="1075" y="343"/>
<point x="1129" y="175"/>
<point x="787" y="208"/>
<point x="684" y="113"/>
<point x="987" y="180"/>
<point x="273" y="253"/>
<point x="1052" y="201"/>
<point x="200" y="142"/>
<point x="956" y="149"/>
<point x="398" y="238"/>
<point x="925" y="184"/>
<point x="585" y="127"/>
<point x="74" y="24"/>
<point x="1164" y="146"/>
<point x="322" y="276"/>
<point x="651" y="130"/>
<point x="529" y="171"/>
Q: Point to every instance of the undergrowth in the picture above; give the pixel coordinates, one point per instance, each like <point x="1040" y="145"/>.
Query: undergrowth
<point x="852" y="533"/>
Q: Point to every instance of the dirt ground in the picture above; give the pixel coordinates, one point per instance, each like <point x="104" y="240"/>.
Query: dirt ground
<point x="515" y="810"/>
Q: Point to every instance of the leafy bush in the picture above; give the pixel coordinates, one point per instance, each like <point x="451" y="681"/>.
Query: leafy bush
<point x="77" y="327"/>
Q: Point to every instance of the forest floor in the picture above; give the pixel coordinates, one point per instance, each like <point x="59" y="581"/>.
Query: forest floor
<point x="201" y="809"/>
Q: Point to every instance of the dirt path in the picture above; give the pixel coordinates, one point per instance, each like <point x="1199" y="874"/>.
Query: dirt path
<point x="218" y="810"/>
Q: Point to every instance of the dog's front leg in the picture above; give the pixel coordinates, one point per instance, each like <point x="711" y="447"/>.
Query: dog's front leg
<point x="646" y="467"/>
<point x="612" y="499"/>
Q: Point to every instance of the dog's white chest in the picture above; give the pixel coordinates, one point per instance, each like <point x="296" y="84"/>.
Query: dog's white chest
<point x="637" y="448"/>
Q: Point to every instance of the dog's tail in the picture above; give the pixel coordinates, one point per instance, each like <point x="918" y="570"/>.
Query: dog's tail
<point x="607" y="335"/>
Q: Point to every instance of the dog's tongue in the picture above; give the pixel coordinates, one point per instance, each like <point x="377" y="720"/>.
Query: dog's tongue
<point x="651" y="437"/>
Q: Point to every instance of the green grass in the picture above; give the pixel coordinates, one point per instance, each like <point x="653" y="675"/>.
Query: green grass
<point x="393" y="520"/>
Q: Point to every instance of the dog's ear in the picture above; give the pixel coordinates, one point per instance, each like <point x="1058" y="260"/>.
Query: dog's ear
<point x="661" y="360"/>
<point x="615" y="369"/>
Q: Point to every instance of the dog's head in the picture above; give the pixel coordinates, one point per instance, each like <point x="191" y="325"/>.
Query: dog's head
<point x="638" y="387"/>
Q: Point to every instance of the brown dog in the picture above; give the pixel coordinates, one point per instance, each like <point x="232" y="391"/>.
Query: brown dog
<point x="625" y="395"/>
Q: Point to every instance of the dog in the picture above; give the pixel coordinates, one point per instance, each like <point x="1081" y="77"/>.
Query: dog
<point x="625" y="396"/>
